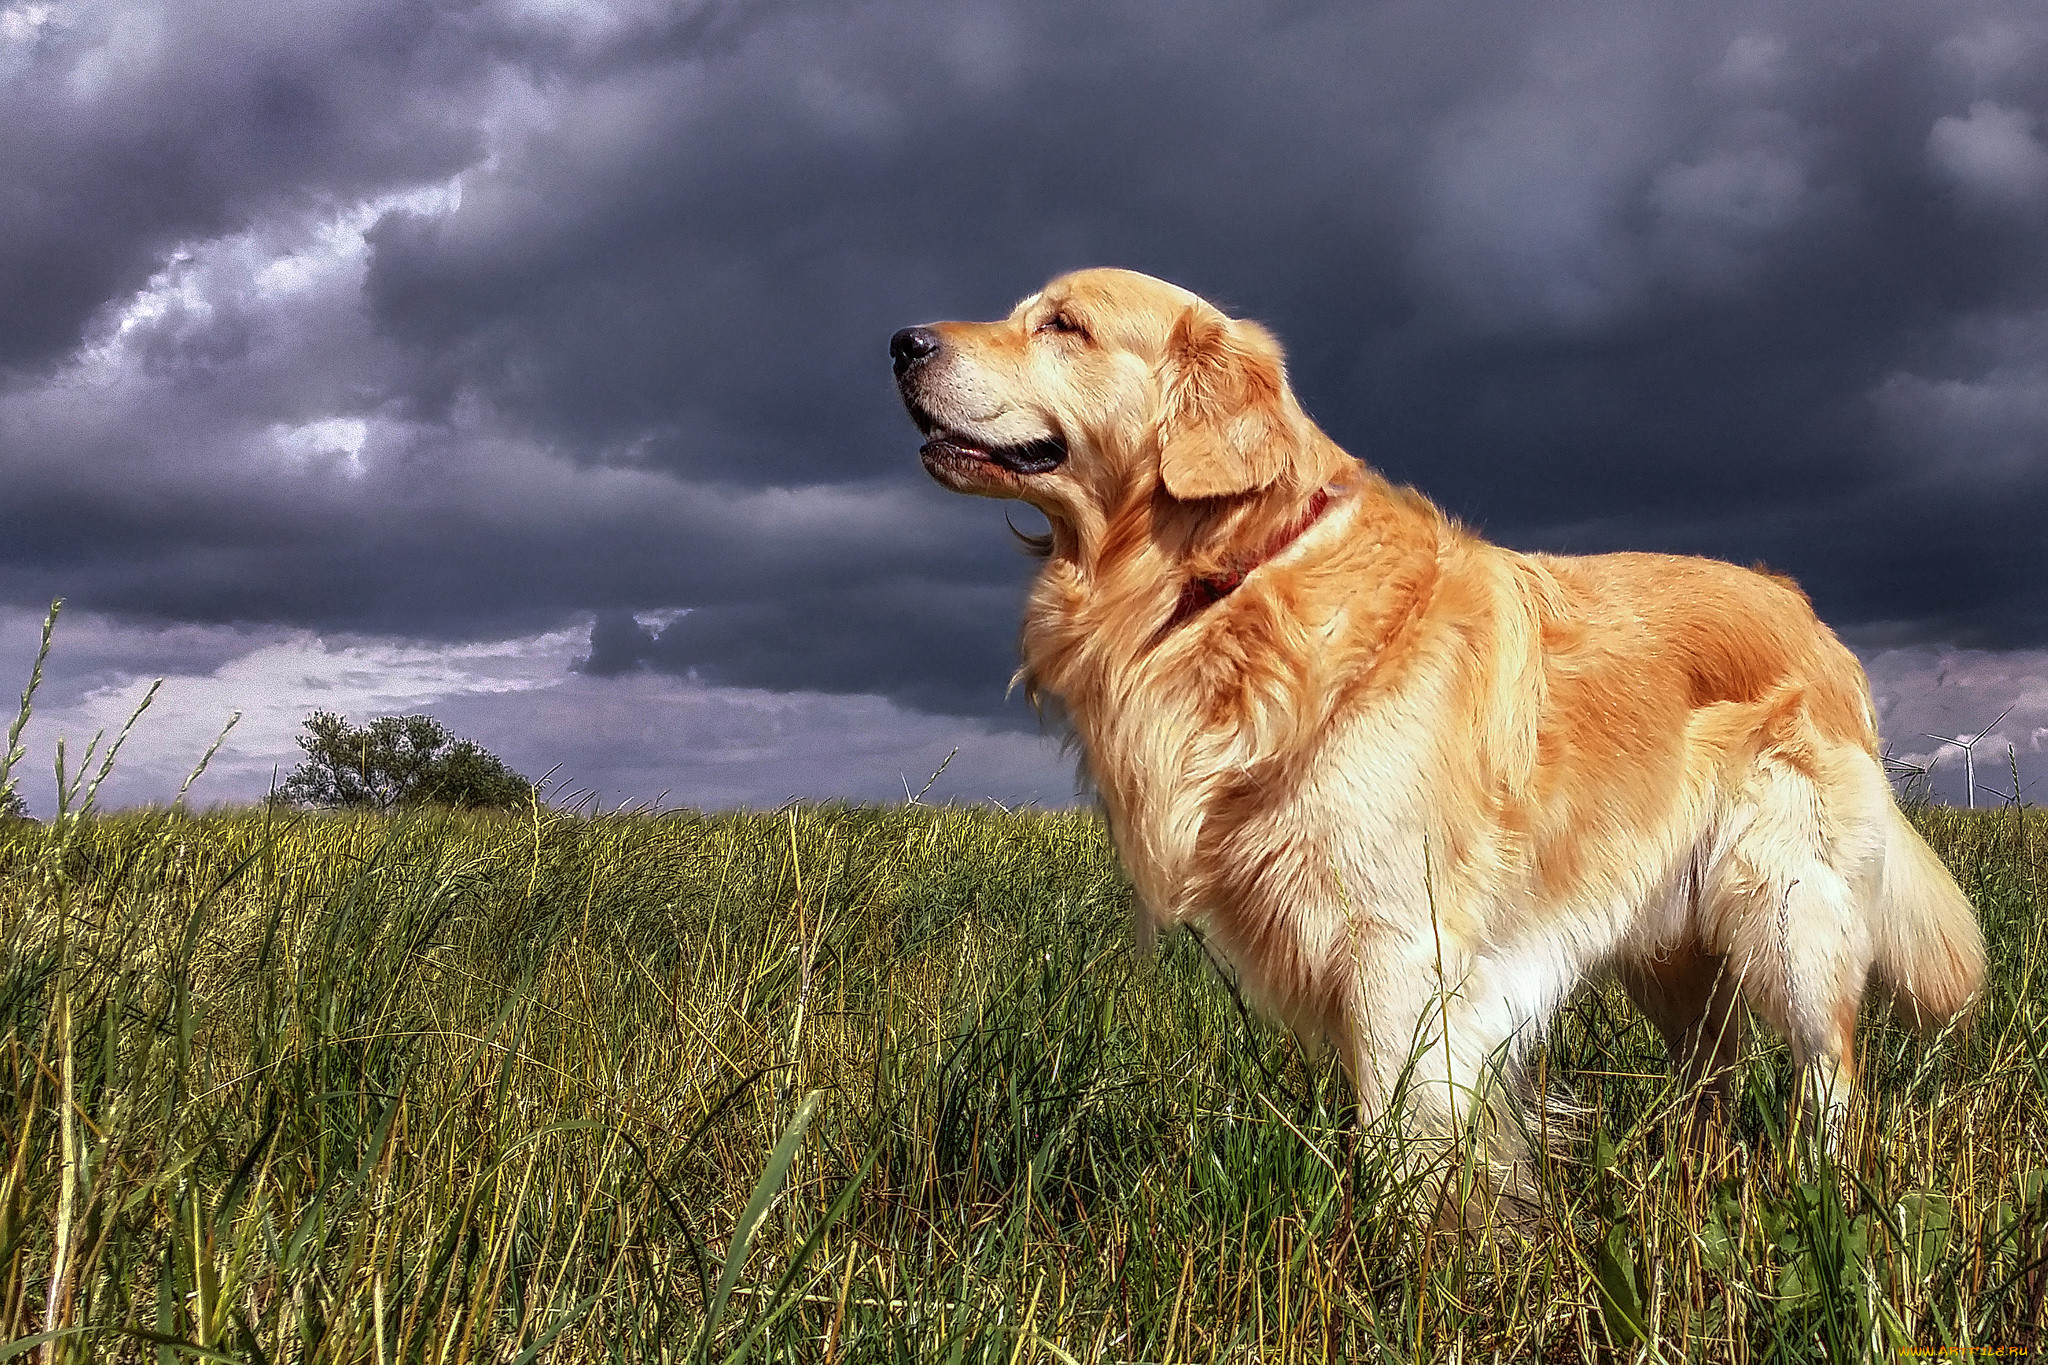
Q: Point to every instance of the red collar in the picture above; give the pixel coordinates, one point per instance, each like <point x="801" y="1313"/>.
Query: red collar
<point x="1199" y="593"/>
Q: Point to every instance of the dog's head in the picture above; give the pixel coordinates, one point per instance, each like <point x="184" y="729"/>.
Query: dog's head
<point x="1104" y="386"/>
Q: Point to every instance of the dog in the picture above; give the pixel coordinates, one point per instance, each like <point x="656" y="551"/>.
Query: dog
<point x="1416" y="788"/>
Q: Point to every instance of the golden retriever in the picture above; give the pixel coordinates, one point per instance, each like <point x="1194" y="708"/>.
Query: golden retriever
<point x="1417" y="787"/>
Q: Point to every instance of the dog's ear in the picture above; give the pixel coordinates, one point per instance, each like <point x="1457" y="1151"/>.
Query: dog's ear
<point x="1227" y="425"/>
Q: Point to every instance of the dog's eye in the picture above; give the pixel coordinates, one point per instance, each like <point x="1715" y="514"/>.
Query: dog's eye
<point x="1063" y="322"/>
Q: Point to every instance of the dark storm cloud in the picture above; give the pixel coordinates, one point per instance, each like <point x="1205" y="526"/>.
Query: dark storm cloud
<point x="132" y="128"/>
<point x="924" y="643"/>
<point x="444" y="321"/>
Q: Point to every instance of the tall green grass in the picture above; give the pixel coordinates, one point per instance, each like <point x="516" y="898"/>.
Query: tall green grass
<point x="864" y="1085"/>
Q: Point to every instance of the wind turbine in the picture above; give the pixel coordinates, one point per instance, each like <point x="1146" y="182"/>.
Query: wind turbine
<point x="1970" y="751"/>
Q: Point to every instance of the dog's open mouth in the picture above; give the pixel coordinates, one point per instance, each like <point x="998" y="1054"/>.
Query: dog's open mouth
<point x="945" y="446"/>
<point x="1033" y="457"/>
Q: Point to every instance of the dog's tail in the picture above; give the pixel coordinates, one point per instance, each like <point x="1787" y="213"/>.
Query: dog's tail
<point x="1930" y="952"/>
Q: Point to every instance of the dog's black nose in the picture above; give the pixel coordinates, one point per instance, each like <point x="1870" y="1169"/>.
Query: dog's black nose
<point x="912" y="345"/>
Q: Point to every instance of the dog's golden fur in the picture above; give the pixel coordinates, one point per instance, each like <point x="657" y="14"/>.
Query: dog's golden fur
<point x="1416" y="786"/>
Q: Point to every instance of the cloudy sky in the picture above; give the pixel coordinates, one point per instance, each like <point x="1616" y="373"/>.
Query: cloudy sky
<point x="524" y="361"/>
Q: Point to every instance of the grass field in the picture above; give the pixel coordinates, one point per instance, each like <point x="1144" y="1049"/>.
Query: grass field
<point x="866" y="1085"/>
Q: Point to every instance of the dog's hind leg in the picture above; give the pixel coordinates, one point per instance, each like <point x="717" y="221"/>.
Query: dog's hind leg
<point x="1791" y="904"/>
<point x="1694" y="1000"/>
